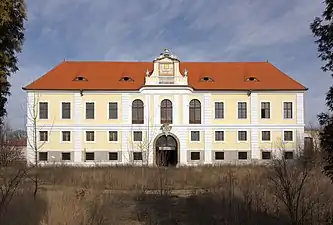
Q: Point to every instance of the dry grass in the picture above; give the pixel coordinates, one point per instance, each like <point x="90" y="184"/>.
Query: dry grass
<point x="201" y="195"/>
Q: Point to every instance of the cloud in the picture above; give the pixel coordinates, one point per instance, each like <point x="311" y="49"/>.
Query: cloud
<point x="195" y="30"/>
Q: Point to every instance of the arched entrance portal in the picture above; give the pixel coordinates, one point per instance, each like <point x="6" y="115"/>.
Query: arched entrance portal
<point x="166" y="151"/>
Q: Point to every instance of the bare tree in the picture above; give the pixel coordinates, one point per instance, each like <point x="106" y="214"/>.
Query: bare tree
<point x="12" y="170"/>
<point x="35" y="145"/>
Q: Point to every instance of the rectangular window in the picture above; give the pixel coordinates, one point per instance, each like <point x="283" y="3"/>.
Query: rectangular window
<point x="113" y="110"/>
<point x="219" y="155"/>
<point x="90" y="110"/>
<point x="65" y="156"/>
<point x="42" y="156"/>
<point x="195" y="135"/>
<point x="288" y="135"/>
<point x="137" y="135"/>
<point x="266" y="155"/>
<point x="65" y="110"/>
<point x="90" y="156"/>
<point x="288" y="154"/>
<point x="242" y="135"/>
<point x="219" y="110"/>
<point x="113" y="156"/>
<point x="43" y="110"/>
<point x="66" y="136"/>
<point x="43" y="136"/>
<point x="219" y="135"/>
<point x="265" y="135"/>
<point x="242" y="155"/>
<point x="113" y="135"/>
<point x="242" y="110"/>
<point x="90" y="136"/>
<point x="265" y="110"/>
<point x="195" y="155"/>
<point x="287" y="110"/>
<point x="137" y="155"/>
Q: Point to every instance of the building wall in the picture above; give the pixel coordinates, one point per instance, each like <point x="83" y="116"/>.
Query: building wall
<point x="181" y="128"/>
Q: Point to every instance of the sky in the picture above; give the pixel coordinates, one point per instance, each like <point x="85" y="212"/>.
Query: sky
<point x="194" y="30"/>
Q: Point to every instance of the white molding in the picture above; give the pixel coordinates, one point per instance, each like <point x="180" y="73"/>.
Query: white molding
<point x="77" y="137"/>
<point x="48" y="109"/>
<point x="255" y="151"/>
<point x="108" y="137"/>
<point x="224" y="107"/>
<point x="190" y="137"/>
<point x="247" y="110"/>
<point x="157" y="109"/>
<point x="185" y="118"/>
<point x="254" y="114"/>
<point x="108" y="110"/>
<point x="175" y="110"/>
<point x="270" y="109"/>
<point x="247" y="136"/>
<point x="300" y="108"/>
<point x="293" y="109"/>
<point x="61" y="137"/>
<point x="270" y="136"/>
<point x="126" y="110"/>
<point x="84" y="110"/>
<point x="85" y="137"/>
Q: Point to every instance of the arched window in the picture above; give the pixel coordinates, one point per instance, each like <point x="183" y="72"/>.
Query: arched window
<point x="195" y="112"/>
<point x="166" y="111"/>
<point x="137" y="112"/>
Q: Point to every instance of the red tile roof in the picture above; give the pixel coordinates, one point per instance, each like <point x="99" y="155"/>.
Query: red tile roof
<point x="107" y="75"/>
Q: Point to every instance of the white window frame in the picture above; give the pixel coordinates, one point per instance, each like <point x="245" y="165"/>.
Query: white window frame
<point x="247" y="110"/>
<point x="61" y="136"/>
<point x="85" y="105"/>
<point x="270" y="110"/>
<point x="141" y="136"/>
<point x="85" y="136"/>
<point x="293" y="138"/>
<point x="48" y="136"/>
<point x="48" y="109"/>
<point x="270" y="136"/>
<point x="190" y="137"/>
<point x="224" y="111"/>
<point x="71" y="111"/>
<point x="215" y="141"/>
<point x="247" y="136"/>
<point x="108" y="110"/>
<point x="293" y="110"/>
<point x="108" y="136"/>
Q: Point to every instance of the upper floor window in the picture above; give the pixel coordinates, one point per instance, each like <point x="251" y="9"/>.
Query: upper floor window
<point x="66" y="136"/>
<point x="90" y="110"/>
<point x="137" y="112"/>
<point x="195" y="112"/>
<point x="287" y="110"/>
<point x="43" y="110"/>
<point x="65" y="110"/>
<point x="166" y="111"/>
<point x="288" y="135"/>
<point x="43" y="136"/>
<point x="265" y="110"/>
<point x="90" y="136"/>
<point x="242" y="135"/>
<point x="219" y="110"/>
<point x="242" y="110"/>
<point x="113" y="110"/>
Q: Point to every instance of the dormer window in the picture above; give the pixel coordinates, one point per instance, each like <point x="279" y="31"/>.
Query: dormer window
<point x="80" y="78"/>
<point x="252" y="79"/>
<point x="126" y="79"/>
<point x="206" y="79"/>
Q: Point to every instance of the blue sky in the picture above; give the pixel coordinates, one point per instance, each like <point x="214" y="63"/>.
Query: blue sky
<point x="195" y="30"/>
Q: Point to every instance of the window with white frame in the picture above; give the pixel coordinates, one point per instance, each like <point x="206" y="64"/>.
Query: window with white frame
<point x="265" y="110"/>
<point x="219" y="135"/>
<point x="195" y="135"/>
<point x="43" y="136"/>
<point x="242" y="135"/>
<point x="288" y="135"/>
<point x="137" y="135"/>
<point x="287" y="110"/>
<point x="90" y="136"/>
<point x="66" y="136"/>
<point x="265" y="135"/>
<point x="219" y="110"/>
<point x="43" y="110"/>
<point x="90" y="110"/>
<point x="242" y="110"/>
<point x="113" y="110"/>
<point x="113" y="136"/>
<point x="65" y="110"/>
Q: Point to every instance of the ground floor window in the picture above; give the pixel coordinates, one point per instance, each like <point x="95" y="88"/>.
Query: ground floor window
<point x="242" y="155"/>
<point x="113" y="156"/>
<point x="66" y="156"/>
<point x="266" y="155"/>
<point x="219" y="155"/>
<point x="195" y="155"/>
<point x="90" y="156"/>
<point x="137" y="155"/>
<point x="42" y="156"/>
<point x="288" y="154"/>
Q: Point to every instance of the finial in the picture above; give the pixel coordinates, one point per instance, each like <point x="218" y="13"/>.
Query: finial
<point x="147" y="72"/>
<point x="185" y="72"/>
